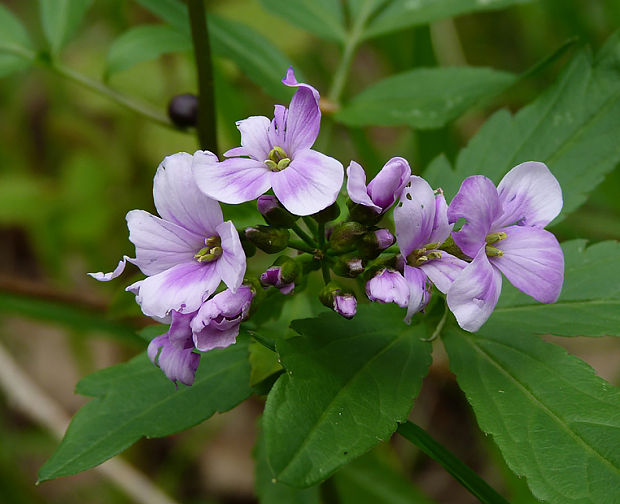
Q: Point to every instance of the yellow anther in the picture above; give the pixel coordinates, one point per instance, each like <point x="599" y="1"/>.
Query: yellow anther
<point x="495" y="237"/>
<point x="271" y="164"/>
<point x="420" y="260"/>
<point x="434" y="255"/>
<point x="493" y="251"/>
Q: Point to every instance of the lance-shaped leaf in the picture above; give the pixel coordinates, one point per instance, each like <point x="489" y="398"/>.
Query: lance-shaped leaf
<point x="60" y="20"/>
<point x="135" y="400"/>
<point x="573" y="128"/>
<point x="424" y="98"/>
<point x="15" y="47"/>
<point x="554" y="420"/>
<point x="347" y="384"/>
<point x="589" y="304"/>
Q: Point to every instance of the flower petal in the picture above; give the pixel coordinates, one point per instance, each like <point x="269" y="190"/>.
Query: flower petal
<point x="232" y="263"/>
<point x="237" y="152"/>
<point x="389" y="182"/>
<point x="478" y="203"/>
<point x="255" y="136"/>
<point x="474" y="293"/>
<point x="210" y="337"/>
<point x="233" y="180"/>
<point x="441" y="227"/>
<point x="533" y="262"/>
<point x="419" y="295"/>
<point x="106" y="277"/>
<point x="309" y="184"/>
<point x="442" y="272"/>
<point x="180" y="332"/>
<point x="177" y="364"/>
<point x="414" y="215"/>
<point x="178" y="199"/>
<point x="388" y="286"/>
<point x="356" y="186"/>
<point x="303" y="120"/>
<point x="182" y="288"/>
<point x="530" y="196"/>
<point x="160" y="244"/>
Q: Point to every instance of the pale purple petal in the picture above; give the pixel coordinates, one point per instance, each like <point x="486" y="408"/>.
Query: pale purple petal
<point x="478" y="203"/>
<point x="345" y="305"/>
<point x="291" y="81"/>
<point x="414" y="215"/>
<point x="160" y="244"/>
<point x="309" y="184"/>
<point x="231" y="264"/>
<point x="237" y="152"/>
<point x="356" y="186"/>
<point x="388" y="286"/>
<point x="474" y="293"/>
<point x="533" y="262"/>
<point x="442" y="272"/>
<point x="106" y="277"/>
<point x="177" y="364"/>
<point x="441" y="227"/>
<point x="254" y="136"/>
<point x="234" y="180"/>
<point x="419" y="295"/>
<point x="182" y="288"/>
<point x="180" y="332"/>
<point x="530" y="196"/>
<point x="209" y="338"/>
<point x="389" y="182"/>
<point x="178" y="199"/>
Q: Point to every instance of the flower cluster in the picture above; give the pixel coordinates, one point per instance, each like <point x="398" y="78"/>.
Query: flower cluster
<point x="189" y="251"/>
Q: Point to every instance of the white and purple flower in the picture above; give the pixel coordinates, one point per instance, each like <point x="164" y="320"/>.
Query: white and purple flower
<point x="388" y="286"/>
<point x="504" y="233"/>
<point x="188" y="251"/>
<point x="276" y="154"/>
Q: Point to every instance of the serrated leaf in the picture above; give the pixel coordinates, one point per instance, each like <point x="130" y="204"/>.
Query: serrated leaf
<point x="554" y="420"/>
<point x="572" y="127"/>
<point x="143" y="43"/>
<point x="589" y="304"/>
<point x="135" y="400"/>
<point x="321" y="17"/>
<point x="60" y="20"/>
<point x="424" y="98"/>
<point x="15" y="46"/>
<point x="347" y="384"/>
<point x="400" y="14"/>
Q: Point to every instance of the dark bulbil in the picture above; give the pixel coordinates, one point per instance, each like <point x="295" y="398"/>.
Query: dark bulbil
<point x="183" y="110"/>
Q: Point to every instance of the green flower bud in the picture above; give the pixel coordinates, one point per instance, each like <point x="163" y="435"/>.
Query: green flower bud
<point x="327" y="214"/>
<point x="345" y="236"/>
<point x="274" y="213"/>
<point x="363" y="214"/>
<point x="268" y="239"/>
<point x="374" y="242"/>
<point x="349" y="265"/>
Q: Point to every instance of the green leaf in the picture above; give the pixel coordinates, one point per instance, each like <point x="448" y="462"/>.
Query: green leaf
<point x="400" y="14"/>
<point x="143" y="43"/>
<point x="263" y="363"/>
<point x="554" y="420"/>
<point x="589" y="304"/>
<point x="424" y="98"/>
<point x="60" y="19"/>
<point x="174" y="12"/>
<point x="572" y="127"/>
<point x="321" y="17"/>
<point x="135" y="400"/>
<point x="347" y="384"/>
<point x="369" y="480"/>
<point x="272" y="492"/>
<point x="15" y="46"/>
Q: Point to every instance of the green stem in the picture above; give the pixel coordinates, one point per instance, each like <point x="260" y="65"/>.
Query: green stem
<point x="206" y="128"/>
<point x="321" y="234"/>
<point x="311" y="223"/>
<point x="439" y="327"/>
<point x="303" y="235"/>
<point x="325" y="271"/>
<point x="297" y="245"/>
<point x="456" y="467"/>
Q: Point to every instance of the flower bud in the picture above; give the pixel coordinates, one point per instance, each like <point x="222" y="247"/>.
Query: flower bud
<point x="349" y="265"/>
<point x="388" y="286"/>
<point x="249" y="249"/>
<point x="327" y="214"/>
<point x="183" y="110"/>
<point x="274" y="213"/>
<point x="268" y="239"/>
<point x="345" y="236"/>
<point x="374" y="242"/>
<point x="342" y="302"/>
<point x="364" y="214"/>
<point x="282" y="275"/>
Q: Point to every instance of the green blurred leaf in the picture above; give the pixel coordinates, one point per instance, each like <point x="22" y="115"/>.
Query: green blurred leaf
<point x="554" y="420"/>
<point x="424" y="98"/>
<point x="588" y="306"/>
<point x="321" y="17"/>
<point x="143" y="43"/>
<point x="347" y="384"/>
<point x="15" y="46"/>
<point x="135" y="400"/>
<point x="263" y="363"/>
<point x="400" y="14"/>
<point x="174" y="12"/>
<point x="60" y="20"/>
<point x="573" y="127"/>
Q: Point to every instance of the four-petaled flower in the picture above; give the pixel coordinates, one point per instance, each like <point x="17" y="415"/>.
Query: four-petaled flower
<point x="276" y="154"/>
<point x="504" y="233"/>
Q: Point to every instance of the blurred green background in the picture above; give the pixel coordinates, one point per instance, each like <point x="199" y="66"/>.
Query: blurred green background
<point x="73" y="162"/>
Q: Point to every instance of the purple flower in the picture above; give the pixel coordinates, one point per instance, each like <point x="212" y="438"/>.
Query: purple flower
<point x="388" y="286"/>
<point x="382" y="191"/>
<point x="345" y="304"/>
<point x="276" y="154"/>
<point x="530" y="197"/>
<point x="188" y="251"/>
<point x="273" y="276"/>
<point x="216" y="325"/>
<point x="176" y="358"/>
<point x="422" y="226"/>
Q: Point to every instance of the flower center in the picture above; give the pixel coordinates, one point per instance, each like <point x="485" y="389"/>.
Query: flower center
<point x="277" y="159"/>
<point x="421" y="255"/>
<point x="211" y="251"/>
<point x="490" y="240"/>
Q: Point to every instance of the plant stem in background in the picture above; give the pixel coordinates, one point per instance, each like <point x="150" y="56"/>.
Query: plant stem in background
<point x="456" y="467"/>
<point x="206" y="127"/>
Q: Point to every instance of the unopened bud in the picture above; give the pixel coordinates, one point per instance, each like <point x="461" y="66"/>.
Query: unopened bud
<point x="273" y="212"/>
<point x="363" y="214"/>
<point x="342" y="302"/>
<point x="350" y="265"/>
<point x="327" y="214"/>
<point x="268" y="239"/>
<point x="345" y="236"/>
<point x="374" y="242"/>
